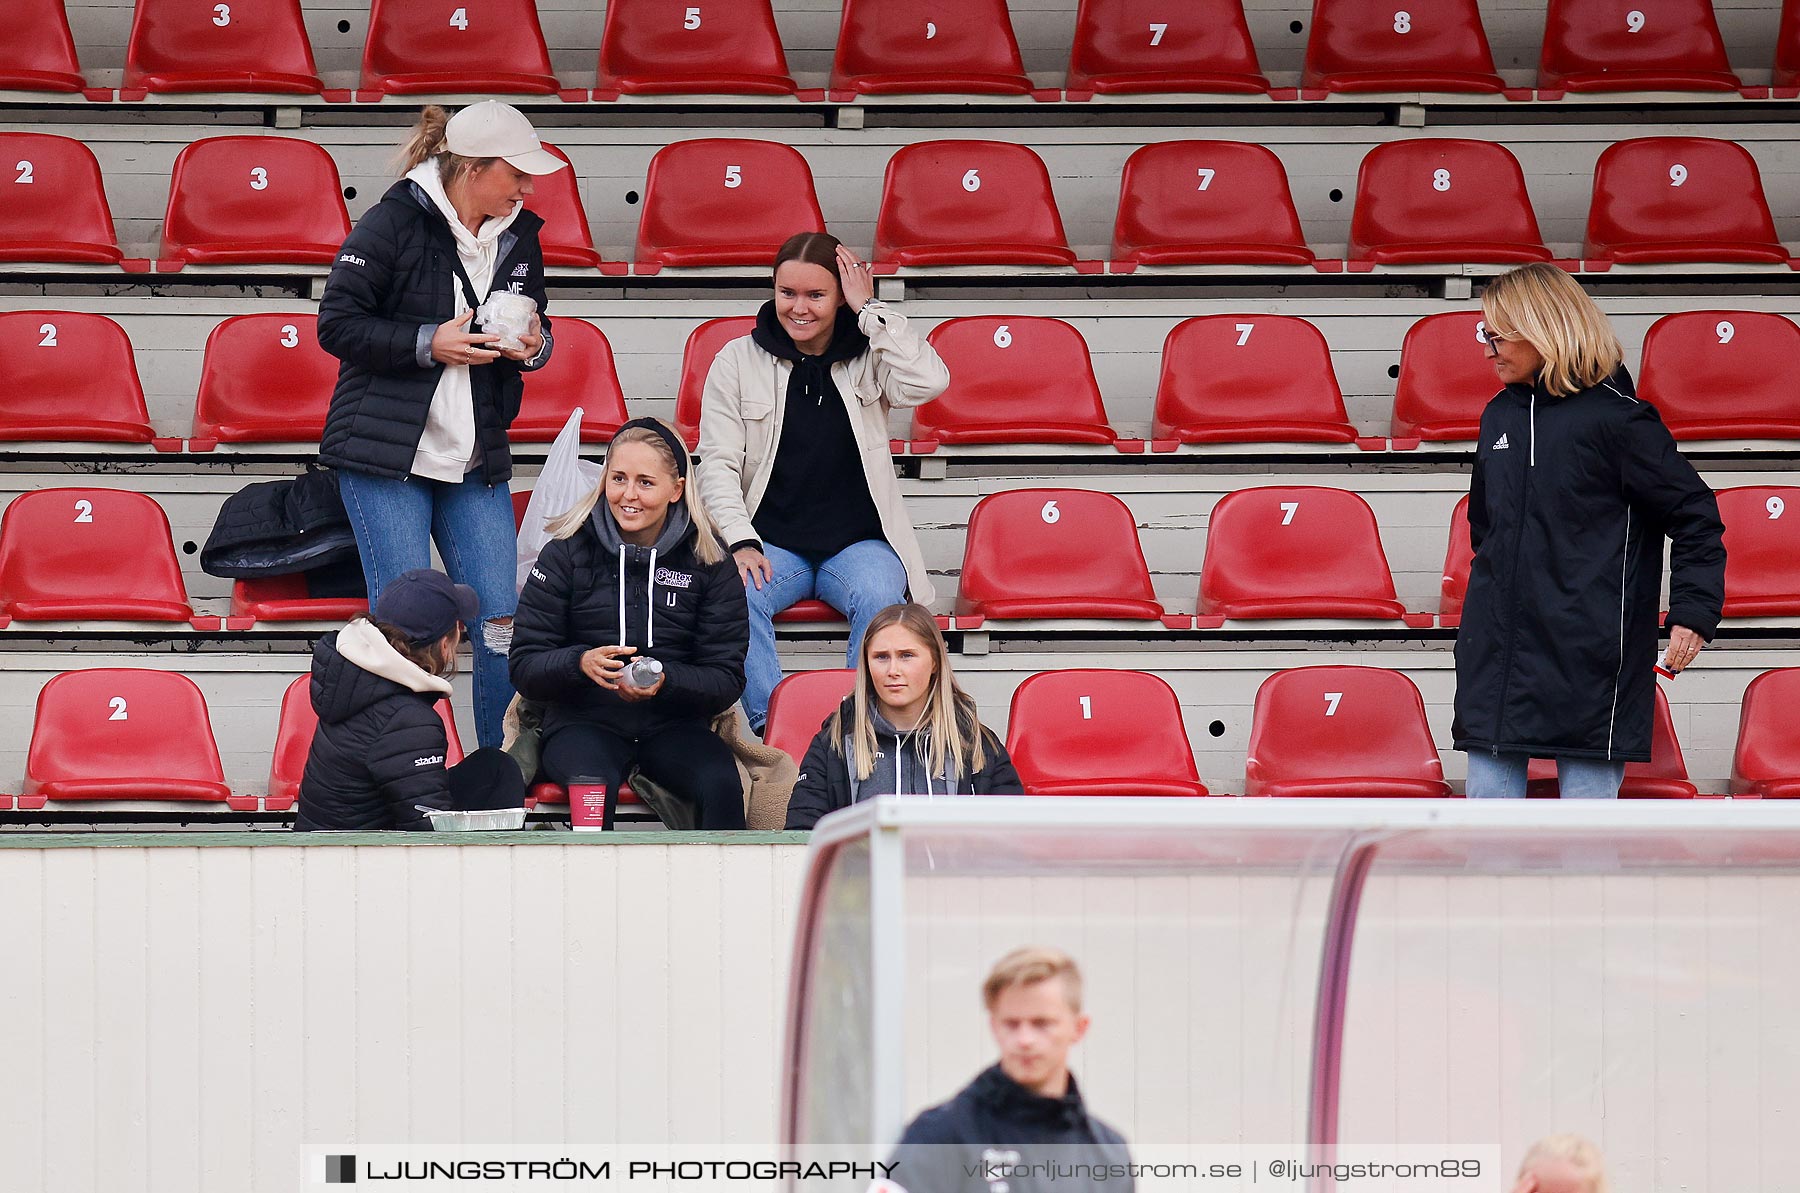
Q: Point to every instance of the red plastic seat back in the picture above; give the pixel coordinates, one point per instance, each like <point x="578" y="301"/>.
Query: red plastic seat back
<point x="435" y="46"/>
<point x="799" y="705"/>
<point x="580" y="373"/>
<point x="1013" y="379"/>
<point x="1377" y="45"/>
<point x="719" y="201"/>
<point x="238" y="199"/>
<point x="1446" y="379"/>
<point x="294" y="735"/>
<point x="1762" y="550"/>
<point x="1124" y="47"/>
<point x="1295" y="551"/>
<point x="703" y="344"/>
<point x="969" y="203"/>
<point x="1249" y="379"/>
<point x="1054" y="553"/>
<point x="1443" y="200"/>
<point x="650" y="47"/>
<point x="89" y="553"/>
<point x="1086" y="731"/>
<point x="264" y="380"/>
<point x="1459" y="557"/>
<point x="1646" y="45"/>
<point x="1787" y="51"/>
<point x="55" y="204"/>
<point x="38" y="52"/>
<point x="556" y="199"/>
<point x="246" y="45"/>
<point x="1670" y="199"/>
<point x="1665" y="776"/>
<point x="1723" y="374"/>
<point x="130" y="726"/>
<point x="927" y="46"/>
<point x="1207" y="202"/>
<point x="1768" y="741"/>
<point x="69" y="375"/>
<point x="1341" y="731"/>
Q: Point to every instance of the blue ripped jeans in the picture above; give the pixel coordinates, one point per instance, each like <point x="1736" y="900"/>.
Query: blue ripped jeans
<point x="396" y="521"/>
<point x="1502" y="776"/>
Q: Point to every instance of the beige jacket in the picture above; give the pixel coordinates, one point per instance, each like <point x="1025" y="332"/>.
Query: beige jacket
<point x="740" y="427"/>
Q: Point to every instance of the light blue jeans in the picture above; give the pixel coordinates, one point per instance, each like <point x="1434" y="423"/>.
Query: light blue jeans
<point x="1502" y="776"/>
<point x="859" y="582"/>
<point x="396" y="521"/>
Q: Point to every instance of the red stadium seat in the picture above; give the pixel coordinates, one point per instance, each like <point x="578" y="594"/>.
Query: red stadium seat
<point x="1665" y="776"/>
<point x="1296" y="551"/>
<point x="247" y="45"/>
<point x="716" y="201"/>
<point x="951" y="46"/>
<point x="1249" y="379"/>
<point x="124" y="733"/>
<point x="799" y="705"/>
<point x="1130" y="47"/>
<point x="1646" y="45"/>
<point x="1053" y="553"/>
<point x="1767" y="760"/>
<point x="1013" y="379"/>
<point x="703" y="344"/>
<point x="55" y="204"/>
<point x="293" y="740"/>
<point x="1206" y="203"/>
<point x="1446" y="381"/>
<point x="70" y="554"/>
<point x="969" y="203"/>
<point x="725" y="47"/>
<point x="1762" y="550"/>
<point x="808" y="612"/>
<point x="565" y="238"/>
<point x="1374" y="45"/>
<point x="580" y="373"/>
<point x="285" y="598"/>
<point x="264" y="380"/>
<point x="1092" y="732"/>
<point x="1341" y="731"/>
<point x="1458" y="558"/>
<point x="419" y="47"/>
<point x="38" y="53"/>
<point x="240" y="200"/>
<point x="1660" y="200"/>
<point x="1723" y="374"/>
<point x="1441" y="201"/>
<point x="1787" y="52"/>
<point x="69" y="375"/>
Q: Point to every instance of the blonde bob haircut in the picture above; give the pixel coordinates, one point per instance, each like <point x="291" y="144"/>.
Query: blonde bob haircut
<point x="950" y="731"/>
<point x="1573" y="1150"/>
<point x="706" y="542"/>
<point x="1028" y="967"/>
<point x="1549" y="310"/>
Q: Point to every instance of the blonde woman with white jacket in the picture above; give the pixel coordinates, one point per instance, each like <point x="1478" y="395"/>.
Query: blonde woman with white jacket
<point x="795" y="468"/>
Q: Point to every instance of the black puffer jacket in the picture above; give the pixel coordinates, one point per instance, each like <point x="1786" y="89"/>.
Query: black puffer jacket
<point x="1568" y="507"/>
<point x="689" y="615"/>
<point x="380" y="745"/>
<point x="394" y="276"/>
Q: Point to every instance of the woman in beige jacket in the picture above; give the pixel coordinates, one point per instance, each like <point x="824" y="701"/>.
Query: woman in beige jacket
<point x="794" y="461"/>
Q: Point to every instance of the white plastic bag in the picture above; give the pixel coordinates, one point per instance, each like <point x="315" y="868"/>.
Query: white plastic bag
<point x="565" y="480"/>
<point x="508" y="316"/>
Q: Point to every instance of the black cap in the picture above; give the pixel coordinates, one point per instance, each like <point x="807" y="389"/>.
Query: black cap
<point x="423" y="604"/>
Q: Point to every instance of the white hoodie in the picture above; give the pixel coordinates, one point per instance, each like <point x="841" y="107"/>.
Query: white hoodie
<point x="361" y="643"/>
<point x="447" y="445"/>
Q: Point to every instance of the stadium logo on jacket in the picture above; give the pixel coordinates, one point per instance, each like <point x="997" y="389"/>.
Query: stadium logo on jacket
<point x="429" y="760"/>
<point x="669" y="578"/>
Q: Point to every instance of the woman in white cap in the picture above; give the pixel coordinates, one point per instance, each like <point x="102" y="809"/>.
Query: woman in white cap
<point x="417" y="426"/>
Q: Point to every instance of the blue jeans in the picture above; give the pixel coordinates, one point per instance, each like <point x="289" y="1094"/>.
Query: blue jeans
<point x="396" y="521"/>
<point x="1502" y="776"/>
<point x="859" y="582"/>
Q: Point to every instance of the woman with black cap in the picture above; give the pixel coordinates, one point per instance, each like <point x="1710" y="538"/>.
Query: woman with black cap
<point x="631" y="630"/>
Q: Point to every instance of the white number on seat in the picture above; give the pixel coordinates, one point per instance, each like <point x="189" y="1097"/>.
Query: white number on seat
<point x="117" y="704"/>
<point x="734" y="177"/>
<point x="1087" y="709"/>
<point x="1776" y="507"/>
<point x="1003" y="336"/>
<point x="459" y="19"/>
<point x="290" y="335"/>
<point x="1244" y="330"/>
<point x="84" y="511"/>
<point x="1634" y="21"/>
<point x="1331" y="703"/>
<point x="221" y="15"/>
<point x="1288" y="510"/>
<point x="972" y="180"/>
<point x="24" y="169"/>
<point x="1206" y="177"/>
<point x="259" y="179"/>
<point x="1403" y="22"/>
<point x="1677" y="174"/>
<point x="1440" y="180"/>
<point x="1156" y="34"/>
<point x="691" y="19"/>
<point x="1480" y="331"/>
<point x="1050" y="514"/>
<point x="1725" y="331"/>
<point x="930" y="30"/>
<point x="48" y="331"/>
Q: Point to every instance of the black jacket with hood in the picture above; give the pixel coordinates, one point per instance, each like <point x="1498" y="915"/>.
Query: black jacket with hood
<point x="393" y="283"/>
<point x="1568" y="507"/>
<point x="380" y="746"/>
<point x="826" y="784"/>
<point x="594" y="589"/>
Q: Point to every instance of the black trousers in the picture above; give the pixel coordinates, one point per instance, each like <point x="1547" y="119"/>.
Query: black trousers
<point x="687" y="758"/>
<point x="486" y="779"/>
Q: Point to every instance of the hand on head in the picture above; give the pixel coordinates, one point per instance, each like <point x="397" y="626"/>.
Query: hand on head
<point x="859" y="287"/>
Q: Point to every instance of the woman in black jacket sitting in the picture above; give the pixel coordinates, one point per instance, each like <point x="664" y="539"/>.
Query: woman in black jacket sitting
<point x="907" y="729"/>
<point x="641" y="573"/>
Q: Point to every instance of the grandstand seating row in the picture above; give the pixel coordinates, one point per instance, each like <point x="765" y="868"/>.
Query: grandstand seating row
<point x="242" y="200"/>
<point x="1315" y="731"/>
<point x="1273" y="552"/>
<point x="1120" y="47"/>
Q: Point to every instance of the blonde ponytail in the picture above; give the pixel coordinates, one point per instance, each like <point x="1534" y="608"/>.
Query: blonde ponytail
<point x="425" y="141"/>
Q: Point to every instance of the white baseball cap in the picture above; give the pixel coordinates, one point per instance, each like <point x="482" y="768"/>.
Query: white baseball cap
<point x="493" y="129"/>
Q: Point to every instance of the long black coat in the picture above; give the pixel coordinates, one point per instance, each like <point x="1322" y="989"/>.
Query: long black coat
<point x="1568" y="507"/>
<point x="394" y="276"/>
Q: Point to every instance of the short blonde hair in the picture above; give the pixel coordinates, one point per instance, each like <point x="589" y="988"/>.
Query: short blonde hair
<point x="1576" y="1151"/>
<point x="1549" y="310"/>
<point x="1029" y="966"/>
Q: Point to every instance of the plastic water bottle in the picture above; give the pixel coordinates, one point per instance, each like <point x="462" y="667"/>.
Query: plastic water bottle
<point x="643" y="672"/>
